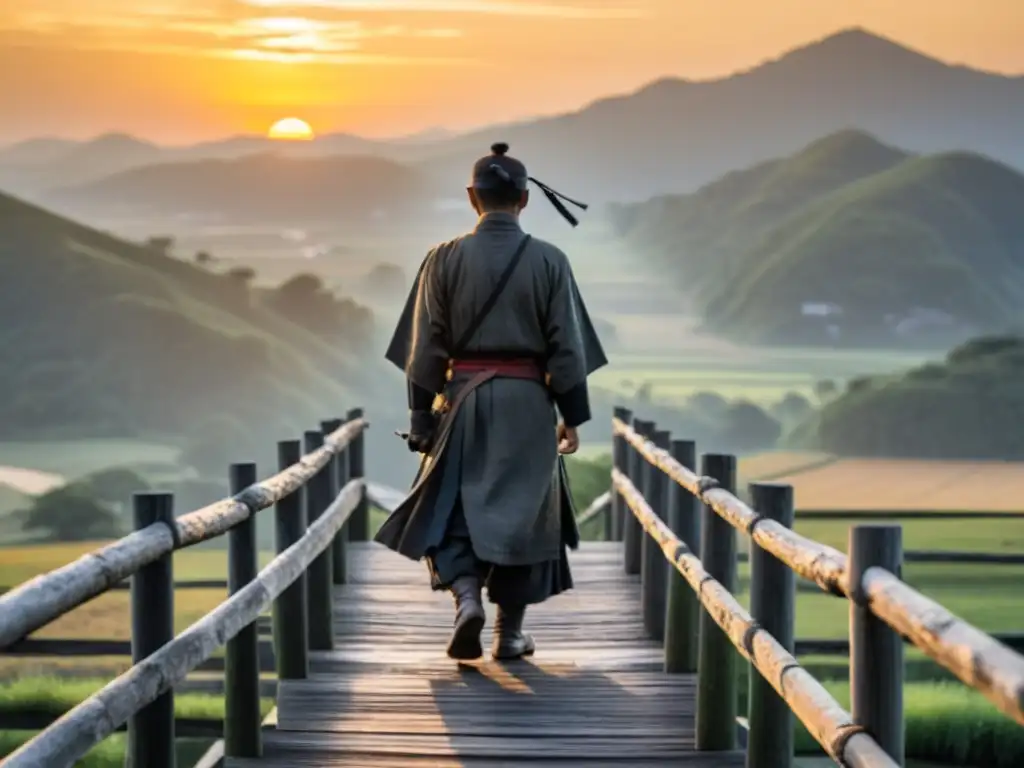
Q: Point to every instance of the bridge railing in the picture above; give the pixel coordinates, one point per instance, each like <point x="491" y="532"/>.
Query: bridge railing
<point x="690" y="519"/>
<point x="319" y="495"/>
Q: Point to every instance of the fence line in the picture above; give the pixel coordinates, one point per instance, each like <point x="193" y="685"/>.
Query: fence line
<point x="667" y="513"/>
<point x="39" y="601"/>
<point x="824" y="718"/>
<point x="97" y="717"/>
<point x="967" y="652"/>
<point x="312" y="533"/>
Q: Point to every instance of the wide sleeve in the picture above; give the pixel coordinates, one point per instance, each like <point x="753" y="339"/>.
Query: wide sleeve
<point x="418" y="343"/>
<point x="573" y="348"/>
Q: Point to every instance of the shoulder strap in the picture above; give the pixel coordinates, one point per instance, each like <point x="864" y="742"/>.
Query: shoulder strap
<point x="488" y="305"/>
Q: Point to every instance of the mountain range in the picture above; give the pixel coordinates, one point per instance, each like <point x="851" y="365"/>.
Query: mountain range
<point x="672" y="135"/>
<point x="849" y="241"/>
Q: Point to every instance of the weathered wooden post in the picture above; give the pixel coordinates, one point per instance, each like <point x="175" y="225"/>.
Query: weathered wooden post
<point x="620" y="461"/>
<point x="359" y="523"/>
<point x="289" y="613"/>
<point x="632" y="533"/>
<point x="319" y="575"/>
<point x="242" y="734"/>
<point x="683" y="608"/>
<point x="654" y="567"/>
<point x="773" y="607"/>
<point x="716" y="680"/>
<point x="151" y="729"/>
<point x="618" y="511"/>
<point x="339" y="478"/>
<point x="876" y="650"/>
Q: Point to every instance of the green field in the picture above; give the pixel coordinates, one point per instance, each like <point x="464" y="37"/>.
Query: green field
<point x="111" y="752"/>
<point x="700" y="364"/>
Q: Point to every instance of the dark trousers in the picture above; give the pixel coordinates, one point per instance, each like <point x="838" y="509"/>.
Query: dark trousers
<point x="507" y="585"/>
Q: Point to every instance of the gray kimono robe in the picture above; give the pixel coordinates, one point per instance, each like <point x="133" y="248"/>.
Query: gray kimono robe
<point x="495" y="456"/>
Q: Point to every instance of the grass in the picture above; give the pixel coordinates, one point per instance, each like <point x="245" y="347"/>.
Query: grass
<point x="110" y="753"/>
<point x="107" y="617"/>
<point x="936" y="534"/>
<point x="55" y="695"/>
<point x="985" y="596"/>
<point x="946" y="722"/>
<point x="22" y="563"/>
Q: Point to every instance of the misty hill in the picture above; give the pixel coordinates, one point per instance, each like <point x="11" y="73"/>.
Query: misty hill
<point x="674" y="135"/>
<point x="706" y="233"/>
<point x="263" y="187"/>
<point x="40" y="165"/>
<point x="100" y="337"/>
<point x="847" y="242"/>
<point x="967" y="406"/>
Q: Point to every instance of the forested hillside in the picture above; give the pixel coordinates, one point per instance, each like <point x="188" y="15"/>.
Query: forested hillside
<point x="103" y="337"/>
<point x="849" y="242"/>
<point x="967" y="406"/>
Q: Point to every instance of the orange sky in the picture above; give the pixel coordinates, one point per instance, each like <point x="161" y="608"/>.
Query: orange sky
<point x="184" y="70"/>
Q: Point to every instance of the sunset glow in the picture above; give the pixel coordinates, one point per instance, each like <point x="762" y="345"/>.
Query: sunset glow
<point x="389" y="67"/>
<point x="290" y="129"/>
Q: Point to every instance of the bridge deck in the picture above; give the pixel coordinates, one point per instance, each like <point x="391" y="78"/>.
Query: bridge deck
<point x="387" y="696"/>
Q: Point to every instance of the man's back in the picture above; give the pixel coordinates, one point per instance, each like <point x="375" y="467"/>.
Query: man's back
<point x="490" y="506"/>
<point x="470" y="266"/>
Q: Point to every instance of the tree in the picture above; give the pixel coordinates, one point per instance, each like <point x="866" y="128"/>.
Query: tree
<point x="242" y="275"/>
<point x="70" y="513"/>
<point x="745" y="427"/>
<point x="860" y="384"/>
<point x="708" y="404"/>
<point x="305" y="300"/>
<point x="644" y="393"/>
<point x="113" y="486"/>
<point x="825" y="390"/>
<point x="160" y="243"/>
<point x="792" y="408"/>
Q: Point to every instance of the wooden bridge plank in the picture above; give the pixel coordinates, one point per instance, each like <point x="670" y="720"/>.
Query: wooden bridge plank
<point x="387" y="696"/>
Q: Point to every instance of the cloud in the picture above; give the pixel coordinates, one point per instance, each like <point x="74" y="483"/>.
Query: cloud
<point x="530" y="8"/>
<point x="286" y="39"/>
<point x="287" y="31"/>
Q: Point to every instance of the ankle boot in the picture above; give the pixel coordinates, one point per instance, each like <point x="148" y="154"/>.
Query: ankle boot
<point x="469" y="619"/>
<point x="510" y="642"/>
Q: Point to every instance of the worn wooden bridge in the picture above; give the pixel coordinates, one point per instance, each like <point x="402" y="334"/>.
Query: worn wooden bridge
<point x="637" y="666"/>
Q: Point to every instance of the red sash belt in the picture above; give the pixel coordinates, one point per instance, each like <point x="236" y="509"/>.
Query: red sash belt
<point x="511" y="368"/>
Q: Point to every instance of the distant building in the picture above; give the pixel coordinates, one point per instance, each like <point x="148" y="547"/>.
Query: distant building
<point x="922" y="319"/>
<point x="820" y="309"/>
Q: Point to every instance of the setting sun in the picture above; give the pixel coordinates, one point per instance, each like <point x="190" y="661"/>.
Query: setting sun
<point x="290" y="129"/>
